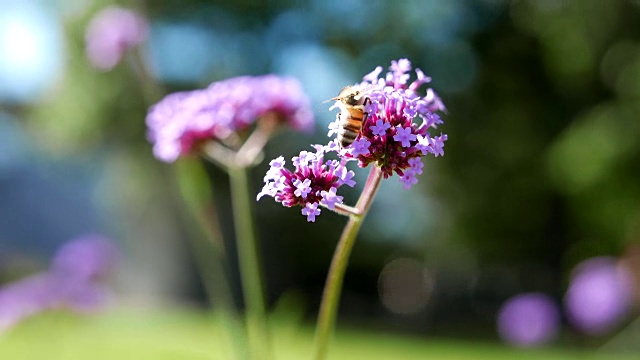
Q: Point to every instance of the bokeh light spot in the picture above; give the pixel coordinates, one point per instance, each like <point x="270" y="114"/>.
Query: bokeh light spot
<point x="599" y="296"/>
<point x="405" y="286"/>
<point x="30" y="50"/>
<point x="529" y="319"/>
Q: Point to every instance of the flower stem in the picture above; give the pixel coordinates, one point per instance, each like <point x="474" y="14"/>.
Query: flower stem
<point x="208" y="249"/>
<point x="249" y="264"/>
<point x="335" y="277"/>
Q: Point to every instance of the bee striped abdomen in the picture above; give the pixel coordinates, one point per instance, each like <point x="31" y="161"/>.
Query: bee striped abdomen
<point x="350" y="128"/>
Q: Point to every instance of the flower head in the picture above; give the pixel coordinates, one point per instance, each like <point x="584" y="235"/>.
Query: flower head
<point x="313" y="182"/>
<point x="111" y="33"/>
<point x="182" y="121"/>
<point x="393" y="140"/>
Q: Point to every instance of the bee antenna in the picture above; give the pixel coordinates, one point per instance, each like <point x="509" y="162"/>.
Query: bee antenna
<point x="332" y="99"/>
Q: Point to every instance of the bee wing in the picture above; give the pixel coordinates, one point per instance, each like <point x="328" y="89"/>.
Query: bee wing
<point x="368" y="89"/>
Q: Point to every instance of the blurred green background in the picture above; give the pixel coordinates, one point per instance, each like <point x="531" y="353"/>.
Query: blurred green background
<point x="540" y="172"/>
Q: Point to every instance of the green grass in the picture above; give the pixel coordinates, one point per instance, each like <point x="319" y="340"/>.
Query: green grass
<point x="194" y="335"/>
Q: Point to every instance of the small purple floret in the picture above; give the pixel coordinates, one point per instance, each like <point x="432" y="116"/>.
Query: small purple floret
<point x="380" y="128"/>
<point x="311" y="211"/>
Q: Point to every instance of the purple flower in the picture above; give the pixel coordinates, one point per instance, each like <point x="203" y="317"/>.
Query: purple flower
<point x="436" y="145"/>
<point x="416" y="165"/>
<point x="432" y="120"/>
<point x="360" y="147"/>
<point x="600" y="294"/>
<point x="111" y="33"/>
<point x="529" y="320"/>
<point x="408" y="179"/>
<point x="181" y="122"/>
<point x="88" y="258"/>
<point x="404" y="136"/>
<point x="380" y="128"/>
<point x="372" y="77"/>
<point x="392" y="136"/>
<point x="421" y="79"/>
<point x="400" y="69"/>
<point x="302" y="187"/>
<point x="72" y="282"/>
<point x="389" y="139"/>
<point x="311" y="210"/>
<point x="330" y="198"/>
<point x="313" y="182"/>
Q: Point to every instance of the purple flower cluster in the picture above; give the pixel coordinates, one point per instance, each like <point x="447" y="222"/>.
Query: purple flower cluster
<point x="73" y="281"/>
<point x="314" y="181"/>
<point x="111" y="33"/>
<point x="389" y="138"/>
<point x="182" y="121"/>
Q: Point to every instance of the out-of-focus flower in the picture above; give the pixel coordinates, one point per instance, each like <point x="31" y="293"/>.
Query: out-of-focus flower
<point x="72" y="282"/>
<point x="313" y="182"/>
<point x="529" y="320"/>
<point x="112" y="32"/>
<point x="389" y="138"/>
<point x="600" y="294"/>
<point x="181" y="122"/>
<point x="90" y="258"/>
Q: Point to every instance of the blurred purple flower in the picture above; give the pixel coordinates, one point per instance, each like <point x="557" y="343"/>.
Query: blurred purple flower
<point x="182" y="121"/>
<point x="112" y="32"/>
<point x="528" y="320"/>
<point x="88" y="258"/>
<point x="600" y="294"/>
<point x="72" y="282"/>
<point x="392" y="138"/>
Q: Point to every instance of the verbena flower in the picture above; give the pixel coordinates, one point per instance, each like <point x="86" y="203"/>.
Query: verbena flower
<point x="73" y="281"/>
<point x="182" y="121"/>
<point x="390" y="138"/>
<point x="313" y="182"/>
<point x="111" y="33"/>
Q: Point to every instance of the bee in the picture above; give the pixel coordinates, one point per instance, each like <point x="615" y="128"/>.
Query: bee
<point x="352" y="116"/>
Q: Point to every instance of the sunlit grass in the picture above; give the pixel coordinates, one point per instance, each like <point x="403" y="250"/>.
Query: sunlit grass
<point x="167" y="335"/>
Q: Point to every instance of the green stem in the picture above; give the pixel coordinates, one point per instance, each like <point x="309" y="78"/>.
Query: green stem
<point x="208" y="247"/>
<point x="335" y="277"/>
<point x="152" y="91"/>
<point x="249" y="264"/>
